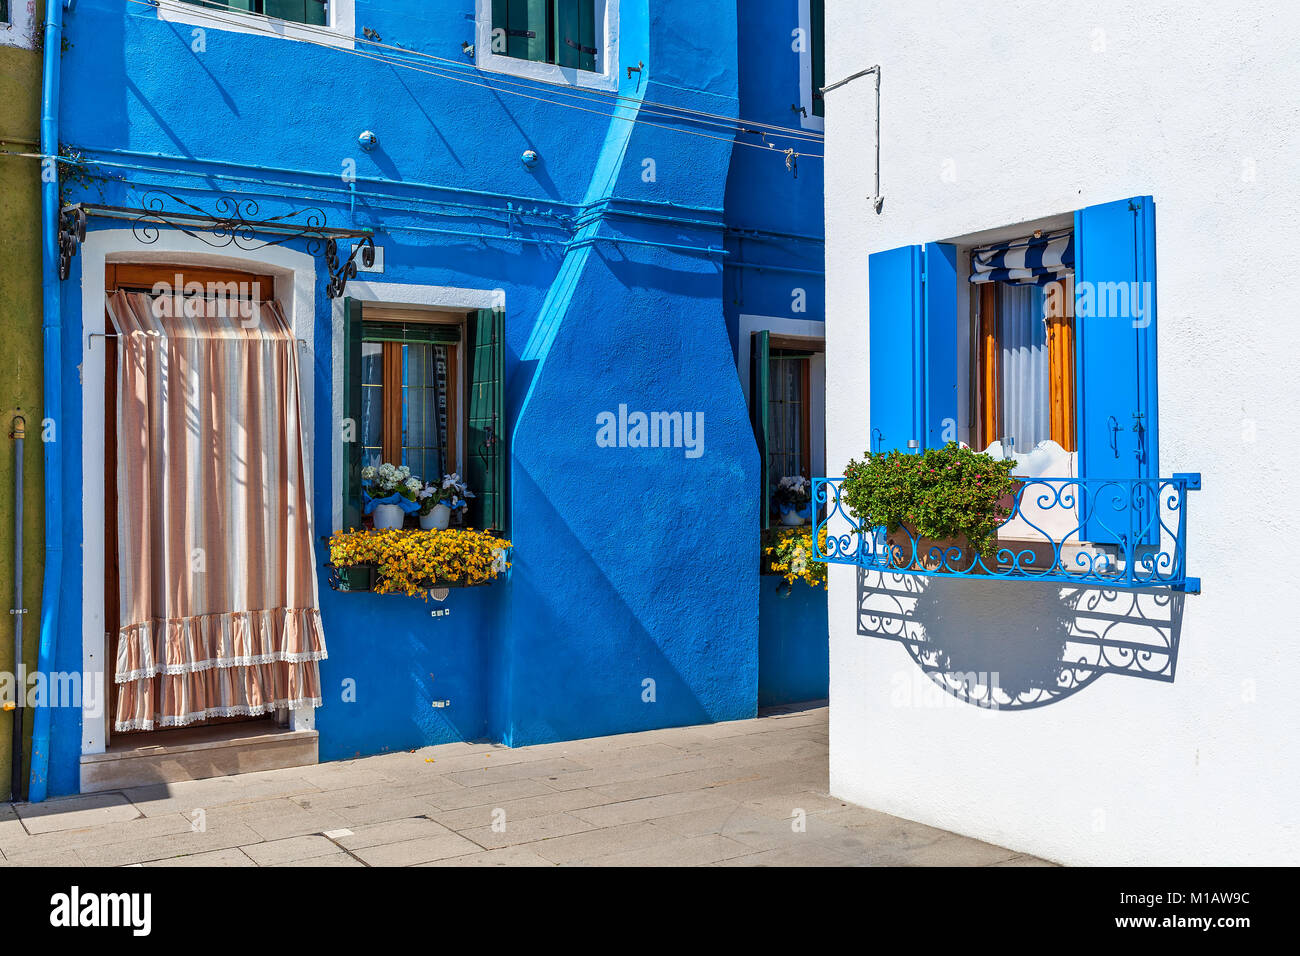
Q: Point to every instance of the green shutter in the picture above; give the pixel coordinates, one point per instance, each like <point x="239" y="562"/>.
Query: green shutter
<point x="759" y="391"/>
<point x="525" y="26"/>
<point x="575" y="34"/>
<point x="817" y="48"/>
<point x="485" y="450"/>
<point x="295" y="11"/>
<point x="351" y="425"/>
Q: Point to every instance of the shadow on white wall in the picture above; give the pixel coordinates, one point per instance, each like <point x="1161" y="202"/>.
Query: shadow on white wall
<point x="1010" y="645"/>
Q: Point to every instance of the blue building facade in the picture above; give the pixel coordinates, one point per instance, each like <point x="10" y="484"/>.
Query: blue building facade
<point x="632" y="235"/>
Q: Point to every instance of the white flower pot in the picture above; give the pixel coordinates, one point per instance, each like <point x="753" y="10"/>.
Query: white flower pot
<point x="792" y="519"/>
<point x="437" y="519"/>
<point x="388" y="516"/>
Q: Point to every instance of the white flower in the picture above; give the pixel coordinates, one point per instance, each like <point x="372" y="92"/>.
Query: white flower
<point x="368" y="473"/>
<point x="413" y="485"/>
<point x="426" y="492"/>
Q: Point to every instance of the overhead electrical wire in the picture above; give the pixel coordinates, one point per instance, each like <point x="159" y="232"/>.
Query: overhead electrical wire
<point x="460" y="65"/>
<point x="664" y="111"/>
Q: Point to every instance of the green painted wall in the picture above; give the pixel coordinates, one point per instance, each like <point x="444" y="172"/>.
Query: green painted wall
<point x="20" y="368"/>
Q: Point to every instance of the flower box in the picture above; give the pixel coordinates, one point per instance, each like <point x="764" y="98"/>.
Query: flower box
<point x="414" y="562"/>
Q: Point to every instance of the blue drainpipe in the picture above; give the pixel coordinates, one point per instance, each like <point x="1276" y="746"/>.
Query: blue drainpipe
<point x="53" y="354"/>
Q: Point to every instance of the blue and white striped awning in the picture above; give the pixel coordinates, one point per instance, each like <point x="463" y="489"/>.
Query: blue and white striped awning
<point x="1033" y="260"/>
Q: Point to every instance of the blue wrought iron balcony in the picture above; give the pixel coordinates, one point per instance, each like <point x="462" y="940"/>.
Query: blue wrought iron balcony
<point x="1108" y="533"/>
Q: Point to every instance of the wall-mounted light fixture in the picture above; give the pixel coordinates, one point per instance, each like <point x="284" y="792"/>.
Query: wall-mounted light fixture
<point x="530" y="158"/>
<point x="368" y="141"/>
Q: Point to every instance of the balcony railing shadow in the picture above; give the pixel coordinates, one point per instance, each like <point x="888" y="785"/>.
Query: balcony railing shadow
<point x="1021" y="645"/>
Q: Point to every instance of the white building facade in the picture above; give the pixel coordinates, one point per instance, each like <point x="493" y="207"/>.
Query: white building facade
<point x="1133" y="725"/>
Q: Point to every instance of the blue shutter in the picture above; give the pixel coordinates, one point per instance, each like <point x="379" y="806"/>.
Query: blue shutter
<point x="1116" y="355"/>
<point x="940" y="381"/>
<point x="896" y="345"/>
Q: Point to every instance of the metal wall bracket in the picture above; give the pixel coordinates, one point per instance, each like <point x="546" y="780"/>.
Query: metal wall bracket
<point x="234" y="221"/>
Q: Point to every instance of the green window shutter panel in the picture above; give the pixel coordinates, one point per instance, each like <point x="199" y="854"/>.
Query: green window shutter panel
<point x="575" y="34"/>
<point x="526" y="28"/>
<point x="485" y="450"/>
<point x="351" y="425"/>
<point x="817" y="47"/>
<point x="297" y="11"/>
<point x="431" y="334"/>
<point x="760" y="390"/>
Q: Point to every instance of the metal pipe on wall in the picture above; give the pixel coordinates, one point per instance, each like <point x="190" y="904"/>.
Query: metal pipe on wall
<point x="51" y="330"/>
<point x="878" y="200"/>
<point x="16" y="788"/>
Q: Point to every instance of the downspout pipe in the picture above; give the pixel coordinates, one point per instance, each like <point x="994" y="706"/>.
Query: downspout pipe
<point x="52" y="426"/>
<point x="19" y="434"/>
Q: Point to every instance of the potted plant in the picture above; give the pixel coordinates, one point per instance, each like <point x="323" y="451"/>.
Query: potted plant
<point x="439" y="500"/>
<point x="788" y="552"/>
<point x="940" y="510"/>
<point x="390" y="492"/>
<point x="793" y="500"/>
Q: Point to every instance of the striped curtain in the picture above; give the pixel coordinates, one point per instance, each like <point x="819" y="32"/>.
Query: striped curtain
<point x="1033" y="260"/>
<point x="219" y="609"/>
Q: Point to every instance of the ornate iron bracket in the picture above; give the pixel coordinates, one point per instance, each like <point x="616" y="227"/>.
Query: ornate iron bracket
<point x="72" y="233"/>
<point x="339" y="275"/>
<point x="235" y="222"/>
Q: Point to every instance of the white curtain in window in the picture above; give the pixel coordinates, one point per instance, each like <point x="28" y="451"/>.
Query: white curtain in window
<point x="1026" y="414"/>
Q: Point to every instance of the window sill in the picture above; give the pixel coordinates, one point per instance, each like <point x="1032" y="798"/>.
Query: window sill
<point x="340" y="33"/>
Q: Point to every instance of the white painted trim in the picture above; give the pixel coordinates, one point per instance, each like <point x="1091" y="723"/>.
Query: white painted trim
<point x="811" y="121"/>
<point x="809" y="328"/>
<point x="606" y="77"/>
<point x="20" y="30"/>
<point x="341" y="32"/>
<point x="172" y="247"/>
<point x="446" y="298"/>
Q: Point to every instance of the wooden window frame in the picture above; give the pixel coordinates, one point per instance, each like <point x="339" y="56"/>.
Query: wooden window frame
<point x="1062" y="390"/>
<point x="390" y="439"/>
<point x="810" y="346"/>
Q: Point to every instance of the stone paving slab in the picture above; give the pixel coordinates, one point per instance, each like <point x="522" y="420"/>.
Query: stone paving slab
<point x="743" y="793"/>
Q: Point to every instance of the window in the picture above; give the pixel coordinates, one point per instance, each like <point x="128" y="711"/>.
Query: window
<point x="812" y="63"/>
<point x="562" y="32"/>
<point x="1025" y="390"/>
<point x="817" y="42"/>
<point x="410" y="396"/>
<point x="424" y="389"/>
<point x="786" y="424"/>
<point x="4" y="11"/>
<point x="789" y="429"/>
<point x="574" y="42"/>
<point x="312" y="12"/>
<point x="1085" y="372"/>
<point x="329" y="22"/>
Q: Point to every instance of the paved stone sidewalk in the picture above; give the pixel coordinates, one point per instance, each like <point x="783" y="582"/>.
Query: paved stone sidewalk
<point x="714" y="795"/>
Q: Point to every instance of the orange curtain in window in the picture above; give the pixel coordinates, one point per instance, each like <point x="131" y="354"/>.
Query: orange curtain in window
<point x="219" y="608"/>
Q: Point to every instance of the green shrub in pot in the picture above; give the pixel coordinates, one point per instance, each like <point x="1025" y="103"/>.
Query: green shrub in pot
<point x="943" y="494"/>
